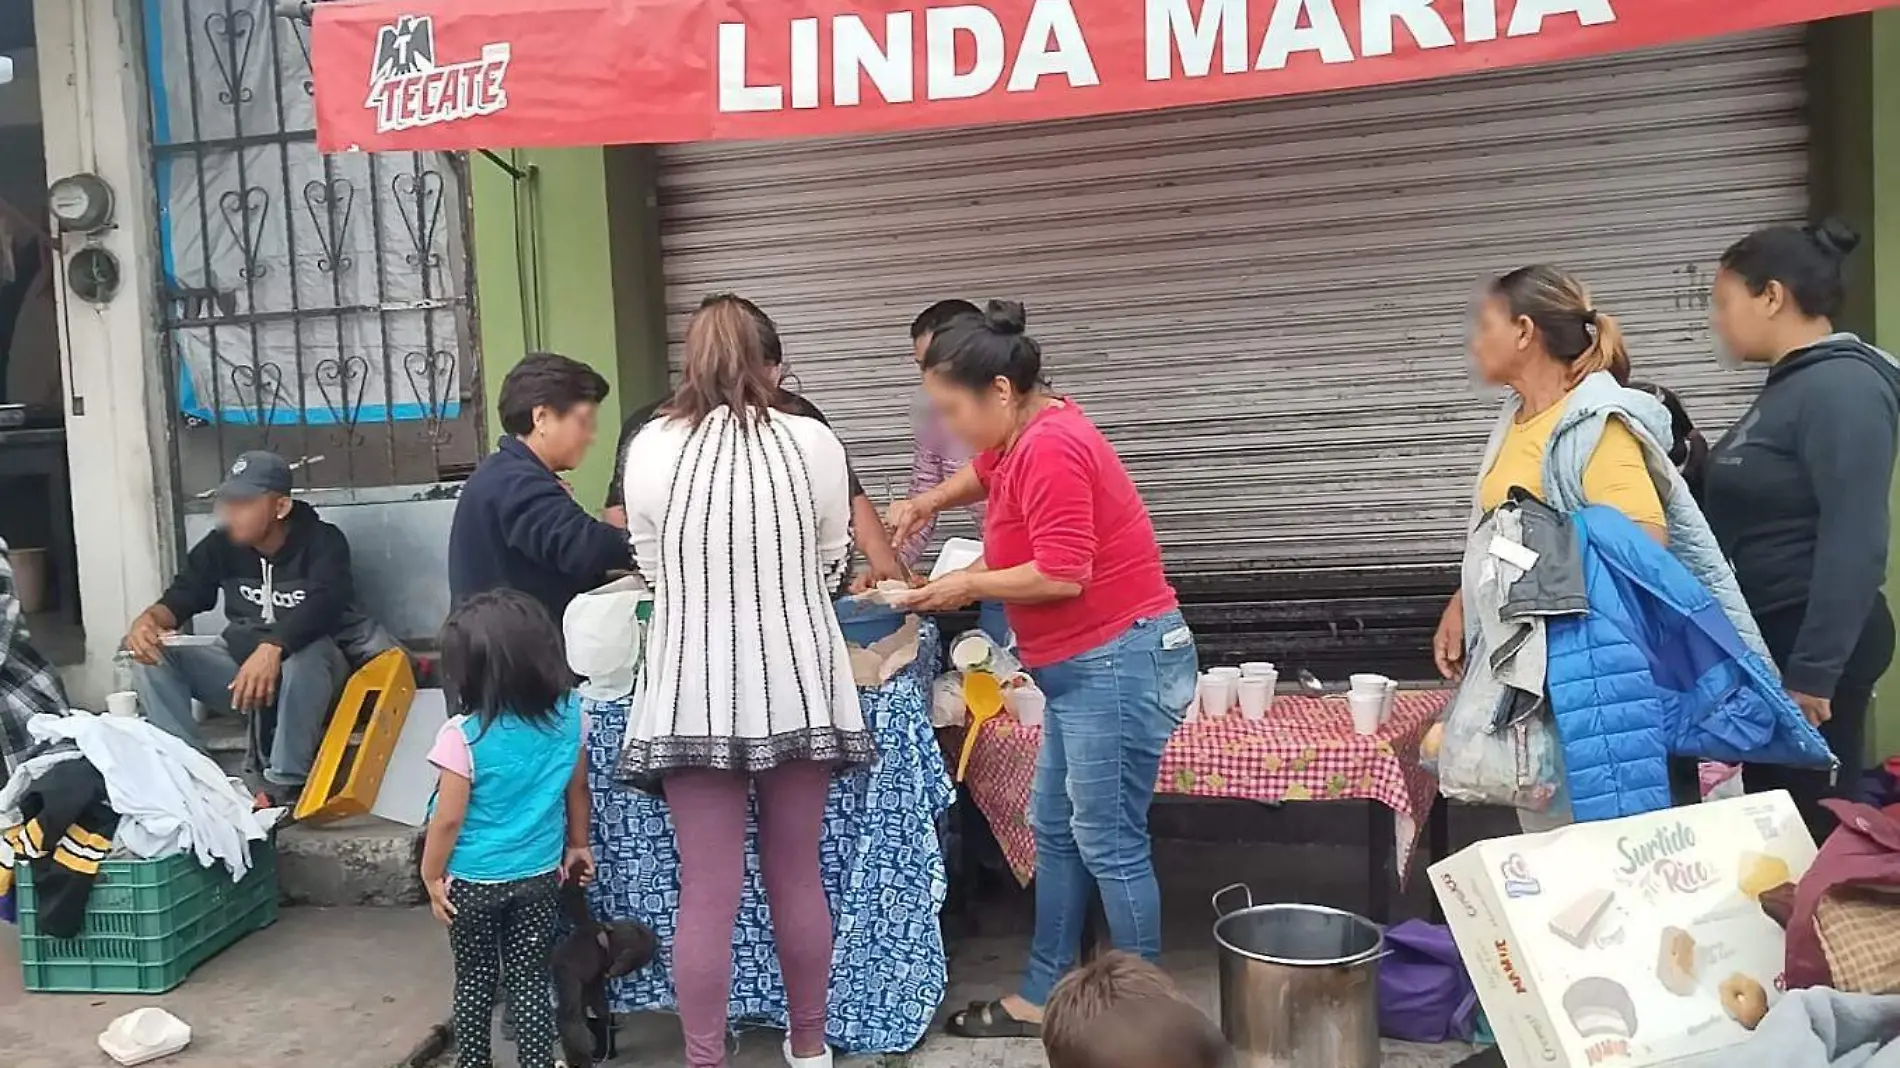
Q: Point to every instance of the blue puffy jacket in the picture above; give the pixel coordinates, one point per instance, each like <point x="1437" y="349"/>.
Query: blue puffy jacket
<point x="1656" y="670"/>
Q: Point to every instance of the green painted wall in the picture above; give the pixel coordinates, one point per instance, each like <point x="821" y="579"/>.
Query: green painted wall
<point x="1883" y="286"/>
<point x="1884" y="120"/>
<point x="1854" y="106"/>
<point x="633" y="223"/>
<point x="565" y="261"/>
<point x="496" y="207"/>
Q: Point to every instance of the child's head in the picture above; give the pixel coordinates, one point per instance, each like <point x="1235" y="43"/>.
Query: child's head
<point x="501" y="655"/>
<point x="1120" y="1011"/>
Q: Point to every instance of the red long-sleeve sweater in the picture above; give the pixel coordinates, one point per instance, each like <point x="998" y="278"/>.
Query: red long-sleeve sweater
<point x="1061" y="498"/>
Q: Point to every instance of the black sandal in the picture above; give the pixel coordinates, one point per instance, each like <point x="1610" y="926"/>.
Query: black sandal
<point x="988" y="1019"/>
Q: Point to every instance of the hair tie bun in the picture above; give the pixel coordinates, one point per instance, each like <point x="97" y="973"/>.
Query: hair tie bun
<point x="1834" y="236"/>
<point x="1590" y="316"/>
<point x="1005" y="317"/>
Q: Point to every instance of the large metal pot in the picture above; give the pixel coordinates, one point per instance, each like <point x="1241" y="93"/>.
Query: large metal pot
<point x="1298" y="984"/>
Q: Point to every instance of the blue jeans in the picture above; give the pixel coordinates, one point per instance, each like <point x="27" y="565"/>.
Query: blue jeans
<point x="1111" y="711"/>
<point x="285" y="739"/>
<point x="991" y="621"/>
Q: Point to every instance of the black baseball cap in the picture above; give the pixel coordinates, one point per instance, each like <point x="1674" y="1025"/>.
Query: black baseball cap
<point x="254" y="474"/>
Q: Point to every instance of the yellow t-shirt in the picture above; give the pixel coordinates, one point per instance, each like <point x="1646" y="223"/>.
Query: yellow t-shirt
<point x="1616" y="475"/>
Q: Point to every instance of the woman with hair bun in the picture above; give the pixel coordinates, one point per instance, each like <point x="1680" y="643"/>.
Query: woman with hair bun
<point x="1797" y="491"/>
<point x="1070" y="552"/>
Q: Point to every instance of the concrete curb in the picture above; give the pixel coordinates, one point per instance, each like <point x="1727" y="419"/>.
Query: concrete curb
<point x="431" y="1048"/>
<point x="367" y="863"/>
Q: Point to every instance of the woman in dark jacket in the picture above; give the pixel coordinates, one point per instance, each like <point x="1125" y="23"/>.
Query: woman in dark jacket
<point x="516" y="525"/>
<point x="1797" y="491"/>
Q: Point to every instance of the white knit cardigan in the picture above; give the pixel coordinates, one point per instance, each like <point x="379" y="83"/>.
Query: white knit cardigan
<point x="743" y="531"/>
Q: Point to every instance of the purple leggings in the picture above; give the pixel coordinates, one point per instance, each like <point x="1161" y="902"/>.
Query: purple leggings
<point x="709" y="811"/>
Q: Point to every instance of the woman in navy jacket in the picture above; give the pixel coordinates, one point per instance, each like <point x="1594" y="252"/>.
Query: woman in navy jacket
<point x="1797" y="490"/>
<point x="516" y="525"/>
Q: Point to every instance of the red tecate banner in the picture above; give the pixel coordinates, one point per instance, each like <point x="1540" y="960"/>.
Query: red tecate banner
<point x="454" y="74"/>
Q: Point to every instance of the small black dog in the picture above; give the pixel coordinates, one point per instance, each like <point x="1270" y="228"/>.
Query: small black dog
<point x="592" y="953"/>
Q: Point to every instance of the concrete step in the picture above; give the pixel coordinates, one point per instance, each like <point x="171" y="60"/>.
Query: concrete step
<point x="361" y="862"/>
<point x="225" y="738"/>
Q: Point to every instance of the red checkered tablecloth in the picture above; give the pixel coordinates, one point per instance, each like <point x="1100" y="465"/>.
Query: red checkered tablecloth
<point x="1305" y="750"/>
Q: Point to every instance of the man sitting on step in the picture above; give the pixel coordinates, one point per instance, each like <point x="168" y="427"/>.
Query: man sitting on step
<point x="291" y="636"/>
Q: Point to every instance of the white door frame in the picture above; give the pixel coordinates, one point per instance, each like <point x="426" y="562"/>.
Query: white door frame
<point x="94" y="112"/>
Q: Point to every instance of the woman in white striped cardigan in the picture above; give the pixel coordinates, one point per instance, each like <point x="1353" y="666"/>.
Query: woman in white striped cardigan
<point x="740" y="518"/>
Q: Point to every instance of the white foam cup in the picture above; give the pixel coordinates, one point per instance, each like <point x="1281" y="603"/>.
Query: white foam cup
<point x="1256" y="696"/>
<point x="1217" y="694"/>
<point x="1368" y="683"/>
<point x="1028" y="704"/>
<point x="1366" y="710"/>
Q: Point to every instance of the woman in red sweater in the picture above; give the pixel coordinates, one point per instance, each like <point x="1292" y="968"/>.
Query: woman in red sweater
<point x="1069" y="550"/>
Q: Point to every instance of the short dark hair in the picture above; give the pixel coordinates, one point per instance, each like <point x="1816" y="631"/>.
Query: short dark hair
<point x="974" y="350"/>
<point x="502" y="656"/>
<point x="546" y="380"/>
<point x="1119" y="1011"/>
<point x="1806" y="260"/>
<point x="940" y="315"/>
<point x="772" y="348"/>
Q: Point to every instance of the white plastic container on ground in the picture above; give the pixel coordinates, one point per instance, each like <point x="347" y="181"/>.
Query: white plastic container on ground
<point x="144" y="1035"/>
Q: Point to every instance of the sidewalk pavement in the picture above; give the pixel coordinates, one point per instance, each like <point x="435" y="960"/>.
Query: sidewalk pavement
<point x="340" y="988"/>
<point x="982" y="967"/>
<point x="368" y="988"/>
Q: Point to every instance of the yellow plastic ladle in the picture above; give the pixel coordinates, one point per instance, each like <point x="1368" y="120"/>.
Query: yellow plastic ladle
<point x="983" y="695"/>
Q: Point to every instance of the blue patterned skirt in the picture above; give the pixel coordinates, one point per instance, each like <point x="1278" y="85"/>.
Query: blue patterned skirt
<point x="881" y="859"/>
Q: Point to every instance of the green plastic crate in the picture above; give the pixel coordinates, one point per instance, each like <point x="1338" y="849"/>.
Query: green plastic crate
<point x="148" y="924"/>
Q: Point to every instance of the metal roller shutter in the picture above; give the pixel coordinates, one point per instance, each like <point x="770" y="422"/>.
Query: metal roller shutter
<point x="1264" y="305"/>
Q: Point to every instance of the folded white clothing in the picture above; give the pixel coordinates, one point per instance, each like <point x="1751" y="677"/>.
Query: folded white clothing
<point x="170" y="797"/>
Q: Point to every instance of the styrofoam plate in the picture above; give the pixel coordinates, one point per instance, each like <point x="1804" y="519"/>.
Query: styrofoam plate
<point x="144" y="1035"/>
<point x="181" y="640"/>
<point x="956" y="554"/>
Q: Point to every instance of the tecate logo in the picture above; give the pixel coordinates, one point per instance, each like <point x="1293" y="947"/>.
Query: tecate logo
<point x="408" y="89"/>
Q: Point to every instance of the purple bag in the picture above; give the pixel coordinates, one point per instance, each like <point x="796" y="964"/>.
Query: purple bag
<point x="1424" y="993"/>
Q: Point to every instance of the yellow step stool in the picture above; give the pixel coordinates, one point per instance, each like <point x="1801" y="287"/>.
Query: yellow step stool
<point x="359" y="741"/>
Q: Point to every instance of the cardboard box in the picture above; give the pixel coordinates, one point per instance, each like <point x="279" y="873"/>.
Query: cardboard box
<point x="1636" y="943"/>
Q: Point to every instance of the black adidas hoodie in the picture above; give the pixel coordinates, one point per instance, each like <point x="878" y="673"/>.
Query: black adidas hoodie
<point x="307" y="585"/>
<point x="1797" y="495"/>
